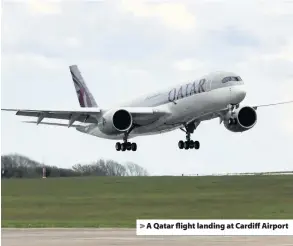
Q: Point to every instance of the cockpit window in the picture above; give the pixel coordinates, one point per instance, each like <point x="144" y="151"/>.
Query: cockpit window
<point x="227" y="79"/>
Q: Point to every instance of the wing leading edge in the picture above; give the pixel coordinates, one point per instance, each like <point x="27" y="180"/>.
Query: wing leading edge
<point x="81" y="115"/>
<point x="272" y="104"/>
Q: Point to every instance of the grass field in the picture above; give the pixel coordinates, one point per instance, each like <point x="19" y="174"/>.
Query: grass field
<point x="119" y="201"/>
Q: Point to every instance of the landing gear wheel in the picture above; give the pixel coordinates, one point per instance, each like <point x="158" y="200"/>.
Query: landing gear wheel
<point x="191" y="144"/>
<point x="181" y="144"/>
<point x="196" y="145"/>
<point x="128" y="146"/>
<point x="133" y="147"/>
<point x="186" y="145"/>
<point x="118" y="146"/>
<point x="232" y="121"/>
<point x="123" y="147"/>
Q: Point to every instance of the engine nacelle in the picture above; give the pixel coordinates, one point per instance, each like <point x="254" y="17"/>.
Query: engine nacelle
<point x="242" y="119"/>
<point x="115" y="122"/>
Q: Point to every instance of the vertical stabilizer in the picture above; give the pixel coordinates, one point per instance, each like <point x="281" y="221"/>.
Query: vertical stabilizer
<point x="84" y="96"/>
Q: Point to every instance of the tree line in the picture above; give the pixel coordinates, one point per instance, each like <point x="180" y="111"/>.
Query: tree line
<point x="19" y="166"/>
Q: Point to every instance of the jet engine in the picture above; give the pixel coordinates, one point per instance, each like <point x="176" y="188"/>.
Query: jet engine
<point x="242" y="119"/>
<point x="115" y="122"/>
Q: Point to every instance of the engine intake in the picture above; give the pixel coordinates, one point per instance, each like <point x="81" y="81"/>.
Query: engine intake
<point x="122" y="120"/>
<point x="247" y="117"/>
<point x="115" y="121"/>
<point x="241" y="120"/>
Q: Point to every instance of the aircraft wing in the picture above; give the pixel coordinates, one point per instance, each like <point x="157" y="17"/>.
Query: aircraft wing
<point x="87" y="115"/>
<point x="224" y="111"/>
<point x="53" y="124"/>
<point x="272" y="104"/>
<point x="143" y="116"/>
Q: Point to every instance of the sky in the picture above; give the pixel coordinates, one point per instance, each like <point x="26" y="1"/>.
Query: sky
<point x="129" y="48"/>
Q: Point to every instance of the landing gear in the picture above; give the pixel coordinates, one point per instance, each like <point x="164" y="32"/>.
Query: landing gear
<point x="232" y="121"/>
<point x="126" y="145"/>
<point x="189" y="144"/>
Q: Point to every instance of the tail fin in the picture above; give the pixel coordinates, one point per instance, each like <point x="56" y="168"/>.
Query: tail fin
<point x="84" y="96"/>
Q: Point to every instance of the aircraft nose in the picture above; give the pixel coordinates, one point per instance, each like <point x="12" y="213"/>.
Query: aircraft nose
<point x="238" y="94"/>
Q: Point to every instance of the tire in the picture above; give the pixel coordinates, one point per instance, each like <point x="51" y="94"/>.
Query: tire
<point x="118" y="146"/>
<point x="196" y="145"/>
<point x="128" y="146"/>
<point x="191" y="144"/>
<point x="133" y="146"/>
<point x="123" y="147"/>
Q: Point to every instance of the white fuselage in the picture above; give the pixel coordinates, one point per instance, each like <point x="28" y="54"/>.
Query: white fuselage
<point x="215" y="96"/>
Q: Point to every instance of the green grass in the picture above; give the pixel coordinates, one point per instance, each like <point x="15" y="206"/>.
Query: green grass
<point x="119" y="201"/>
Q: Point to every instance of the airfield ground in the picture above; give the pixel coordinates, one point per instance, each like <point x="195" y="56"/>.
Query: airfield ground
<point x="119" y="201"/>
<point x="126" y="237"/>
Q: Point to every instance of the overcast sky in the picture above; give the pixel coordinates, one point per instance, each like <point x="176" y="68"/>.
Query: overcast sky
<point x="128" y="48"/>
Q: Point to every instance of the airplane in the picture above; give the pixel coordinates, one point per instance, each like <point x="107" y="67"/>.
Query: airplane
<point x="184" y="106"/>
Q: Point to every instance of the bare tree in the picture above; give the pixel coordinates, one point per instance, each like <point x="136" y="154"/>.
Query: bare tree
<point x="116" y="169"/>
<point x="133" y="169"/>
<point x="20" y="166"/>
<point x="111" y="168"/>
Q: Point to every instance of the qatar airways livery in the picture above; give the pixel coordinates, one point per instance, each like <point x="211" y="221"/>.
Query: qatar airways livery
<point x="183" y="106"/>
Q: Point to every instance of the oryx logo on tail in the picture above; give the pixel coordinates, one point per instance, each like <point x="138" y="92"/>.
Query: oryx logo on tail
<point x="84" y="96"/>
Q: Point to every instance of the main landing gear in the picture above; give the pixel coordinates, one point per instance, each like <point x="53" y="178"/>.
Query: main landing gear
<point x="189" y="144"/>
<point x="126" y="145"/>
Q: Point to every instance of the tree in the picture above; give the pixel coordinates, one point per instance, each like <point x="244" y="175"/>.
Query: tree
<point x="133" y="169"/>
<point x="19" y="166"/>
